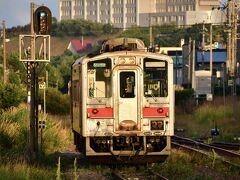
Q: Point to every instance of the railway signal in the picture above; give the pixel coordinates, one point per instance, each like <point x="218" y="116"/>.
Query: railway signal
<point x="40" y="28"/>
<point x="42" y="20"/>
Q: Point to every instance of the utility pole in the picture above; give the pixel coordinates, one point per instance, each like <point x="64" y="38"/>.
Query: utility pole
<point x="233" y="42"/>
<point x="32" y="68"/>
<point x="193" y="64"/>
<point x="232" y="32"/>
<point x="203" y="44"/>
<point x="211" y="60"/>
<point x="4" y="53"/>
<point x="229" y="22"/>
<point x="189" y="61"/>
<point x="231" y="49"/>
<point x="46" y="79"/>
<point x="234" y="58"/>
<point x="151" y="37"/>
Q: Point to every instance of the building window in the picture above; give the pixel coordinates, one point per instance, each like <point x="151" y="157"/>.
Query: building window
<point x="118" y="20"/>
<point x="131" y="19"/>
<point x="170" y="8"/>
<point x="191" y="7"/>
<point x="180" y="18"/>
<point x="118" y="1"/>
<point x="131" y="10"/>
<point x="66" y="3"/>
<point x="91" y="3"/>
<point x="118" y="10"/>
<point x="173" y="18"/>
<point x="184" y="8"/>
<point x="79" y="2"/>
<point x="78" y="12"/>
<point x="130" y="1"/>
<point x="66" y="13"/>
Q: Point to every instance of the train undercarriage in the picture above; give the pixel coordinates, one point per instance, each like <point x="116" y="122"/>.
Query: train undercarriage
<point x="127" y="149"/>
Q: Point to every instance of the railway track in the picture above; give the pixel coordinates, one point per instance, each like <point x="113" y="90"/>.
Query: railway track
<point x="207" y="147"/>
<point x="229" y="146"/>
<point x="224" y="155"/>
<point x="121" y="175"/>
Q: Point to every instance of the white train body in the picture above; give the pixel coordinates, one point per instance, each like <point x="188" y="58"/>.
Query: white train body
<point x="123" y="103"/>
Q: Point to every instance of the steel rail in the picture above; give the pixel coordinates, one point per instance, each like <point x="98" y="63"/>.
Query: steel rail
<point x="200" y="145"/>
<point x="192" y="149"/>
<point x="229" y="146"/>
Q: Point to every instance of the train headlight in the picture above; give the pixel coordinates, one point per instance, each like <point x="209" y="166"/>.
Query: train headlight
<point x="157" y="125"/>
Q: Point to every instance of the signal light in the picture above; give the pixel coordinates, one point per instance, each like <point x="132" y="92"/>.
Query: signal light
<point x="42" y="20"/>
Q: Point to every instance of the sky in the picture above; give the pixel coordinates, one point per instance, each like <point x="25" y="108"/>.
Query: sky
<point x="17" y="12"/>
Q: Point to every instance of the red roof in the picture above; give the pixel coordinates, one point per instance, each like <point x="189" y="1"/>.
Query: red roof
<point x="79" y="46"/>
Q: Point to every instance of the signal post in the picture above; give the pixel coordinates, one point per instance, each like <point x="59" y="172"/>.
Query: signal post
<point x="40" y="27"/>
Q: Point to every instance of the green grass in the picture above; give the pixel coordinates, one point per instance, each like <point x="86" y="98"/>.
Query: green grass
<point x="180" y="165"/>
<point x="14" y="152"/>
<point x="208" y="115"/>
<point x="23" y="171"/>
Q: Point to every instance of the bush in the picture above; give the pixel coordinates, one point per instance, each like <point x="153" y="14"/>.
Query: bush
<point x="184" y="95"/>
<point x="56" y="102"/>
<point x="238" y="90"/>
<point x="11" y="95"/>
<point x="14" y="78"/>
<point x="13" y="131"/>
<point x="184" y="99"/>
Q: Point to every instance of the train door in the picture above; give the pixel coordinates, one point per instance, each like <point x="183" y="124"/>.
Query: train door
<point x="127" y="100"/>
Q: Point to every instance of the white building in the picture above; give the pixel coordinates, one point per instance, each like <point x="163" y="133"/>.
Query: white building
<point x="126" y="13"/>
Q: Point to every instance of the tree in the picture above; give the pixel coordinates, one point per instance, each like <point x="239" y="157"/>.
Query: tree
<point x="55" y="78"/>
<point x="16" y="66"/>
<point x="10" y="95"/>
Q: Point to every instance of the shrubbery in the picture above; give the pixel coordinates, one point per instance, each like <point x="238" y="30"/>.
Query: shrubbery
<point x="79" y="27"/>
<point x="184" y="99"/>
<point x="11" y="95"/>
<point x="183" y="96"/>
<point x="238" y="90"/>
<point x="56" y="102"/>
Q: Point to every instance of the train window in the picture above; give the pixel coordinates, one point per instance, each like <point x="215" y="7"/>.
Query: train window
<point x="99" y="78"/>
<point x="155" y="78"/>
<point x="127" y="84"/>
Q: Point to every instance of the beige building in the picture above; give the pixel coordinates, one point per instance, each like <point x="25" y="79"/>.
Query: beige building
<point x="126" y="13"/>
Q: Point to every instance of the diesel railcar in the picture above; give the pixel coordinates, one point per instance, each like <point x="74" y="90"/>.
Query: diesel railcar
<point x="122" y="103"/>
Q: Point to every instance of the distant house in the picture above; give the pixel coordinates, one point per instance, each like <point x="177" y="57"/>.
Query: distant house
<point x="77" y="46"/>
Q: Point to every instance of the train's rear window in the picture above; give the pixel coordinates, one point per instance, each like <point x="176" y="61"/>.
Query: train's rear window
<point x="99" y="78"/>
<point x="155" y="78"/>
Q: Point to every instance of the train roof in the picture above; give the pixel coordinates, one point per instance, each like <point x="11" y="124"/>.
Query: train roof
<point x="123" y="47"/>
<point x="125" y="53"/>
<point x="118" y="44"/>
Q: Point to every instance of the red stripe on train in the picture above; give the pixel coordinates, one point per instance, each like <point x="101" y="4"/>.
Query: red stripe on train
<point x="156" y="112"/>
<point x="100" y="112"/>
